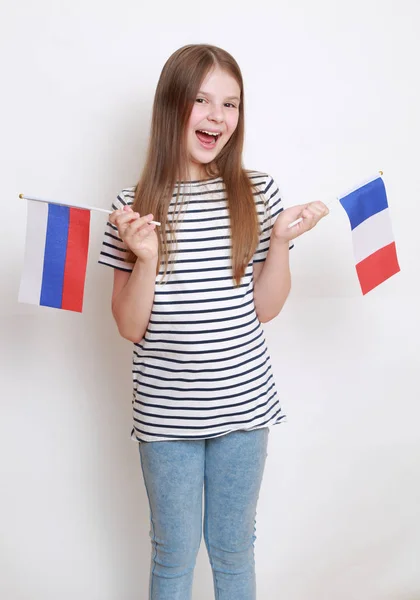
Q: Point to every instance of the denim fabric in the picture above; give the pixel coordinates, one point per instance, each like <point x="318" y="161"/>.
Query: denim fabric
<point x="231" y="469"/>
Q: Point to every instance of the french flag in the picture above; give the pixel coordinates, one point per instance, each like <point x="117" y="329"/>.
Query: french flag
<point x="373" y="241"/>
<point x="54" y="270"/>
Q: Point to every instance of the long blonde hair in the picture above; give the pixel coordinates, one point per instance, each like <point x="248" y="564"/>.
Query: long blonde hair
<point x="167" y="159"/>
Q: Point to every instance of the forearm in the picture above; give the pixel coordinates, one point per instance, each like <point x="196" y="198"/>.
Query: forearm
<point x="132" y="306"/>
<point x="273" y="284"/>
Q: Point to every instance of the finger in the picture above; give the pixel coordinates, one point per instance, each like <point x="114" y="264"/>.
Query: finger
<point x="137" y="228"/>
<point x="119" y="217"/>
<point x="119" y="212"/>
<point x="137" y="225"/>
<point x="309" y="219"/>
<point x="144" y="231"/>
<point x="114" y="215"/>
<point x="312" y="215"/>
<point x="127" y="217"/>
<point x="136" y="237"/>
<point x="319" y="208"/>
<point x="124" y="220"/>
<point x="308" y="214"/>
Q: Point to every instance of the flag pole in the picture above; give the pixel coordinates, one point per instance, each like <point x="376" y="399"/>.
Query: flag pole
<point x="63" y="203"/>
<point x="104" y="210"/>
<point x="293" y="223"/>
<point x="380" y="173"/>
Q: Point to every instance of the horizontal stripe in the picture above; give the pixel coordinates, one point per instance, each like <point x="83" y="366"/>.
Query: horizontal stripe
<point x="206" y="427"/>
<point x="200" y="300"/>
<point x="33" y="265"/>
<point x="224" y="415"/>
<point x="147" y="436"/>
<point x="207" y="310"/>
<point x="211" y="290"/>
<point x="195" y="280"/>
<point x="186" y="231"/>
<point x="198" y="362"/>
<point x="377" y="268"/>
<point x="172" y="379"/>
<point x="372" y="235"/>
<point x="213" y="410"/>
<point x="76" y="260"/>
<point x="365" y="202"/>
<point x="196" y="332"/>
<point x="201" y="270"/>
<point x="269" y="394"/>
<point x="170" y="423"/>
<point x="114" y="248"/>
<point x="215" y="341"/>
<point x="205" y="321"/>
<point x="202" y="368"/>
<point x="206" y="401"/>
<point x="55" y="255"/>
<point x="164" y="386"/>
<point x="114" y="237"/>
<point x="197" y="261"/>
<point x="206" y="251"/>
<point x="116" y="266"/>
<point x="168" y="349"/>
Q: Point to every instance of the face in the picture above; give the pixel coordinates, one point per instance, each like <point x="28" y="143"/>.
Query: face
<point x="213" y="119"/>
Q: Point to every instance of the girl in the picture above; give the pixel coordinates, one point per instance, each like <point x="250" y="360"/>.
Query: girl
<point x="192" y="295"/>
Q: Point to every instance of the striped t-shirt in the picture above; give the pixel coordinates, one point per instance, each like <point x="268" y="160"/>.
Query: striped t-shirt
<point x="202" y="368"/>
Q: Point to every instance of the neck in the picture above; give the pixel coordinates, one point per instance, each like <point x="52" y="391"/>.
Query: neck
<point x="196" y="172"/>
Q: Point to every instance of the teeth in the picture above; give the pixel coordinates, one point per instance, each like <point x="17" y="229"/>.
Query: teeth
<point x="209" y="132"/>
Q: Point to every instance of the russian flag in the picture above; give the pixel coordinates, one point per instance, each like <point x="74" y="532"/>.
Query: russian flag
<point x="373" y="241"/>
<point x="54" y="270"/>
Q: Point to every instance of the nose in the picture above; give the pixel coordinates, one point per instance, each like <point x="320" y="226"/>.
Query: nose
<point x="215" y="113"/>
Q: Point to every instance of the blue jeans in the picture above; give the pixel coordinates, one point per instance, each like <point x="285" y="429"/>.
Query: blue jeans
<point x="231" y="469"/>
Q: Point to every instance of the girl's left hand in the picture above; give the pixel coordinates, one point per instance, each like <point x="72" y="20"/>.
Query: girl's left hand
<point x="311" y="214"/>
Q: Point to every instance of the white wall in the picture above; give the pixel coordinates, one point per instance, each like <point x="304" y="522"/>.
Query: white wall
<point x="332" y="97"/>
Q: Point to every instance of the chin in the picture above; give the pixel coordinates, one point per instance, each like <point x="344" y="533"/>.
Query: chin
<point x="206" y="158"/>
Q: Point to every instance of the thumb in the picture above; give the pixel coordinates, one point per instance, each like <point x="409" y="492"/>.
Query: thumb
<point x="294" y="212"/>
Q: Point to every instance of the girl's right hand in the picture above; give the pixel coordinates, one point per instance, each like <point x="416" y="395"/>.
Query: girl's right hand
<point x="136" y="232"/>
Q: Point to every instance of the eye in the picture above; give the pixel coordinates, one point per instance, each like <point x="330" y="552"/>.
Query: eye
<point x="230" y="104"/>
<point x="200" y="100"/>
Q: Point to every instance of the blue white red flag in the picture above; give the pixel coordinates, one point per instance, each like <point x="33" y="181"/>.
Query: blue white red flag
<point x="54" y="270"/>
<point x="373" y="240"/>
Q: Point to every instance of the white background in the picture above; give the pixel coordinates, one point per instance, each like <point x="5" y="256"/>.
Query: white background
<point x="332" y="93"/>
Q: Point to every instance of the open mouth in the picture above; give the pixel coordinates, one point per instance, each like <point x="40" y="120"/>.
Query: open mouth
<point x="208" y="139"/>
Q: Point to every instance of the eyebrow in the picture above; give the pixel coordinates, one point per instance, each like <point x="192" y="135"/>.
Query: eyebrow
<point x="211" y="95"/>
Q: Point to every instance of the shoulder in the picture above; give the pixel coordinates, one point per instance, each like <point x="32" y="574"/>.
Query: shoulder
<point x="264" y="184"/>
<point x="260" y="180"/>
<point x="124" y="198"/>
